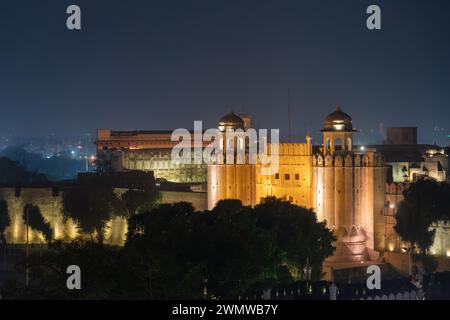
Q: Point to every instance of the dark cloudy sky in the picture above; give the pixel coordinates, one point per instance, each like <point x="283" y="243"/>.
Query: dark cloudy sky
<point x="157" y="64"/>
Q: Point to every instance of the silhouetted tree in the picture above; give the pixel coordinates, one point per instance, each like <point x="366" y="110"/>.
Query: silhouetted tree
<point x="162" y="246"/>
<point x="4" y="220"/>
<point x="33" y="217"/>
<point x="175" y="248"/>
<point x="174" y="252"/>
<point x="105" y="273"/>
<point x="298" y="234"/>
<point x="425" y="202"/>
<point x="90" y="206"/>
<point x="13" y="174"/>
<point x="136" y="201"/>
<point x="239" y="253"/>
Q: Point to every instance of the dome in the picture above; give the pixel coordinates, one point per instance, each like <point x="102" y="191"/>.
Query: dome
<point x="338" y="121"/>
<point x="231" y="121"/>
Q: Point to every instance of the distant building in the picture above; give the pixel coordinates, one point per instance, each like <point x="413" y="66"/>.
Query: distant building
<point x="146" y="151"/>
<point x="409" y="160"/>
<point x="401" y="135"/>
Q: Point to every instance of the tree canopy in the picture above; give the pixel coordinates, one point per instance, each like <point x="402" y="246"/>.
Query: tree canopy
<point x="90" y="206"/>
<point x="425" y="202"/>
<point x="5" y="220"/>
<point x="234" y="247"/>
<point x="134" y="201"/>
<point x="12" y="173"/>
<point x="175" y="252"/>
<point x="33" y="217"/>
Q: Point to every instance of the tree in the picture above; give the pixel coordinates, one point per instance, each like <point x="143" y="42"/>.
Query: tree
<point x="13" y="174"/>
<point x="33" y="217"/>
<point x="425" y="203"/>
<point x="4" y="220"/>
<point x="162" y="245"/>
<point x="105" y="273"/>
<point x="90" y="206"/>
<point x="234" y="247"/>
<point x="174" y="252"/>
<point x="136" y="201"/>
<point x="298" y="235"/>
<point x="237" y="252"/>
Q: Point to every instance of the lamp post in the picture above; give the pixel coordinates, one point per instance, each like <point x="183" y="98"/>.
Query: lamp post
<point x="205" y="288"/>
<point x="205" y="284"/>
<point x="307" y="275"/>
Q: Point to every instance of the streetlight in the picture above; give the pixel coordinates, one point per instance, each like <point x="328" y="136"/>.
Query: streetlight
<point x="307" y="271"/>
<point x="205" y="284"/>
<point x="307" y="274"/>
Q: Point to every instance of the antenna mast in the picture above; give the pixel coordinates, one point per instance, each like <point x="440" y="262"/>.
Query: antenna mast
<point x="289" y="114"/>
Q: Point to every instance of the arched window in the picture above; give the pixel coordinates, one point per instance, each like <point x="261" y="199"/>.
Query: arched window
<point x="349" y="143"/>
<point x="338" y="144"/>
<point x="328" y="144"/>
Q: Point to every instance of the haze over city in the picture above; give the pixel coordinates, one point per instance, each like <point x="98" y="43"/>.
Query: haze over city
<point x="162" y="65"/>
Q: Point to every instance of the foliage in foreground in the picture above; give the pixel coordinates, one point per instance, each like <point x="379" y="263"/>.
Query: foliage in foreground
<point x="425" y="203"/>
<point x="173" y="252"/>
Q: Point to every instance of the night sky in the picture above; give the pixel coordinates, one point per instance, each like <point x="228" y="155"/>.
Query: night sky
<point x="163" y="64"/>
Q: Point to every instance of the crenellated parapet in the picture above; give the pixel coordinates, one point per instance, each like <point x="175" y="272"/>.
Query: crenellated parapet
<point x="349" y="159"/>
<point x="290" y="149"/>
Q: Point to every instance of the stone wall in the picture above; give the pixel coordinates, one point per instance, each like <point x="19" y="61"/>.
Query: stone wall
<point x="50" y="205"/>
<point x="198" y="199"/>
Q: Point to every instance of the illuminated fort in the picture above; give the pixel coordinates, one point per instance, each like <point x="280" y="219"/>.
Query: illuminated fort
<point x="345" y="187"/>
<point x="356" y="190"/>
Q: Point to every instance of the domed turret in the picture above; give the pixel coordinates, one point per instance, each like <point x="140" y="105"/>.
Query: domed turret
<point x="338" y="121"/>
<point x="231" y="121"/>
<point x="338" y="132"/>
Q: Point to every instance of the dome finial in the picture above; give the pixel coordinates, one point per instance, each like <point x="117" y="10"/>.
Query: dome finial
<point x="338" y="107"/>
<point x="231" y="121"/>
<point x="338" y="121"/>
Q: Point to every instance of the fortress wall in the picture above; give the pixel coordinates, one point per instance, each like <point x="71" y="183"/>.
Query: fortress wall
<point x="50" y="206"/>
